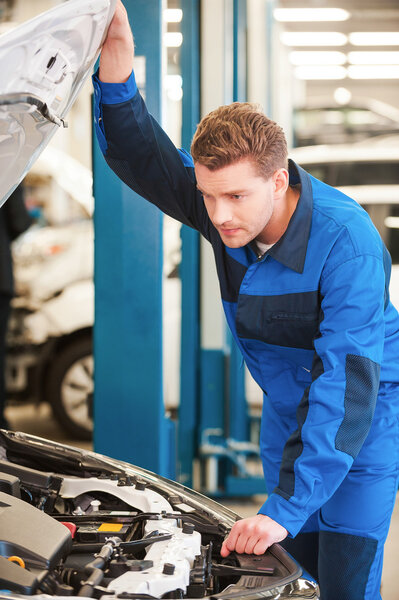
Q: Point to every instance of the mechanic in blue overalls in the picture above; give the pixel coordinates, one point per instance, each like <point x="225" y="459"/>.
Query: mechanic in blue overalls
<point x="304" y="281"/>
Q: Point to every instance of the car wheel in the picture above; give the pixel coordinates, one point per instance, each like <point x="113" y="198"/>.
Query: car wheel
<point x="69" y="388"/>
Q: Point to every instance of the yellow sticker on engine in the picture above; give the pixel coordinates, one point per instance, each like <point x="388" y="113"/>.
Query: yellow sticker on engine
<point x="110" y="527"/>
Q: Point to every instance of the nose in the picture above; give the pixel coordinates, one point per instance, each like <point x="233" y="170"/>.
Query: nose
<point x="221" y="213"/>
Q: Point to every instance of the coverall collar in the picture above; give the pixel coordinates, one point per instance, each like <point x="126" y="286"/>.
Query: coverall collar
<point x="290" y="250"/>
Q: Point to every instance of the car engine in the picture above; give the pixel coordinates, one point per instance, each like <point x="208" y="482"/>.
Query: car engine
<point x="73" y="523"/>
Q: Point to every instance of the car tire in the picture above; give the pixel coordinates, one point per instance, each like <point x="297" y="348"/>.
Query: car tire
<point x="69" y="387"/>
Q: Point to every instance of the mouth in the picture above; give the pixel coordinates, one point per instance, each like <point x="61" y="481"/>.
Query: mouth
<point x="229" y="231"/>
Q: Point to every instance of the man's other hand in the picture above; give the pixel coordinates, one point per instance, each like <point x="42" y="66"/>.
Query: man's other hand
<point x="253" y="535"/>
<point x="116" y="60"/>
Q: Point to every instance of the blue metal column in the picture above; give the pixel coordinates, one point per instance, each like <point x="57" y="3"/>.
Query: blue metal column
<point x="189" y="267"/>
<point x="240" y="51"/>
<point x="129" y="414"/>
<point x="238" y="420"/>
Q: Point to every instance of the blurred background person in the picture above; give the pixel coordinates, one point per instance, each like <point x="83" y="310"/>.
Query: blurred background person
<point x="14" y="220"/>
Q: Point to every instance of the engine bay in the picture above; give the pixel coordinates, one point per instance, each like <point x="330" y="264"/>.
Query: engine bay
<point x="73" y="523"/>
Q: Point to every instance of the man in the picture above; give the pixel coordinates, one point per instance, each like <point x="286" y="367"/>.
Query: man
<point x="304" y="281"/>
<point x="14" y="220"/>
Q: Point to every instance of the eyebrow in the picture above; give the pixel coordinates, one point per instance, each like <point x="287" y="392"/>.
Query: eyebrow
<point x="230" y="193"/>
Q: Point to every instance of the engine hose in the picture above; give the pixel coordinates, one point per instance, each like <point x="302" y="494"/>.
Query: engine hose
<point x="94" y="568"/>
<point x="87" y="588"/>
<point x="132" y="545"/>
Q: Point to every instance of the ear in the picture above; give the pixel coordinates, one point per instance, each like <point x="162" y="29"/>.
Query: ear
<point x="281" y="181"/>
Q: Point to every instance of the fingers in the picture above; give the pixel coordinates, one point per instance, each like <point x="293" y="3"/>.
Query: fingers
<point x="253" y="535"/>
<point x="251" y="544"/>
<point x="229" y="543"/>
<point x="224" y="551"/>
<point x="243" y="539"/>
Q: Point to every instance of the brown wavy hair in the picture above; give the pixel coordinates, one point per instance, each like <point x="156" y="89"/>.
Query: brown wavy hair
<point x="238" y="131"/>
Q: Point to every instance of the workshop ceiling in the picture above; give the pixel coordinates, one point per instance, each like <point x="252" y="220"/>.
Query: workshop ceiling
<point x="365" y="15"/>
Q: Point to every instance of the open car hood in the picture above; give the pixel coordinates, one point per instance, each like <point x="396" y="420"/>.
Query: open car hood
<point x="43" y="65"/>
<point x="78" y="524"/>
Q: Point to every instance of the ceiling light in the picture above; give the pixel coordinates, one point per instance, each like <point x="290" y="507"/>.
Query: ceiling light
<point x="374" y="38"/>
<point x="373" y="58"/>
<point x="342" y="95"/>
<point x="373" y="71"/>
<point x="293" y="15"/>
<point x="173" y="39"/>
<point x="320" y="72"/>
<point x="298" y="57"/>
<point x="313" y="38"/>
<point x="174" y="87"/>
<point x="173" y="15"/>
<point x="392" y="222"/>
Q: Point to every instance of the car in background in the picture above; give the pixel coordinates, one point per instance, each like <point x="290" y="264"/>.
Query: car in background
<point x="326" y="122"/>
<point x="368" y="172"/>
<point x="49" y="342"/>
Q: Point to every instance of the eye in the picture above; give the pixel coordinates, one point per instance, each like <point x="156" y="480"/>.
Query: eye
<point x="237" y="196"/>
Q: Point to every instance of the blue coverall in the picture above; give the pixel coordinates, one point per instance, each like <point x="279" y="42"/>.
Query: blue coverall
<point x="314" y="323"/>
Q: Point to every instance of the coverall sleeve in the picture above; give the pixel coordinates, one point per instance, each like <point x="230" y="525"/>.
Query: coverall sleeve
<point x="142" y="155"/>
<point x="336" y="410"/>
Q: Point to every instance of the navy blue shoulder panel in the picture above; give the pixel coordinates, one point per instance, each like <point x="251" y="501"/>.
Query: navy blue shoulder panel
<point x="230" y="271"/>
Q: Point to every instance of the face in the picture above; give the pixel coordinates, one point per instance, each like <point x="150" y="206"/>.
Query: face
<point x="239" y="202"/>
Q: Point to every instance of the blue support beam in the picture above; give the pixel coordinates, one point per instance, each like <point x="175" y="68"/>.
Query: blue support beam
<point x="189" y="267"/>
<point x="240" y="51"/>
<point x="129" y="414"/>
<point x="238" y="418"/>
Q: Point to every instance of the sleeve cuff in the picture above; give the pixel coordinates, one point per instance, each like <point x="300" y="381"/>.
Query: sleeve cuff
<point x="114" y="93"/>
<point x="285" y="513"/>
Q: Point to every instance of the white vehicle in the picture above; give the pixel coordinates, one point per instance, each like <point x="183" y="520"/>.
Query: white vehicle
<point x="324" y="121"/>
<point x="50" y="334"/>
<point x="368" y="172"/>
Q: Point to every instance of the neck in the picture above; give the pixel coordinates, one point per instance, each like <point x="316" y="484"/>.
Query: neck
<point x="282" y="213"/>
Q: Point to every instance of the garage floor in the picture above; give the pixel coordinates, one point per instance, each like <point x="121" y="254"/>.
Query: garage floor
<point x="39" y="421"/>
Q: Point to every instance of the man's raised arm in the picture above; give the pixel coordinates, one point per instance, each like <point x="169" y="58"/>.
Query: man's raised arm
<point x="116" y="60"/>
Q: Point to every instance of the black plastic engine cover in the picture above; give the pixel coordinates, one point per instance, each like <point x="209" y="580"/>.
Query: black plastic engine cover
<point x="33" y="535"/>
<point x="16" y="579"/>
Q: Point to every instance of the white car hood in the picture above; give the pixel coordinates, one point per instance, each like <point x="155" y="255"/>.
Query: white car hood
<point x="43" y="65"/>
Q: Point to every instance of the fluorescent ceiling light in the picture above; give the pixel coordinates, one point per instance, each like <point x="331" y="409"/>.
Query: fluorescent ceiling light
<point x="174" y="87"/>
<point x="342" y="95"/>
<point x="374" y="38"/>
<point x="294" y="15"/>
<point x="392" y="222"/>
<point x="173" y="39"/>
<point x="304" y="57"/>
<point x="173" y="15"/>
<point x="373" y="71"/>
<point x="313" y="38"/>
<point x="373" y="58"/>
<point x="320" y="72"/>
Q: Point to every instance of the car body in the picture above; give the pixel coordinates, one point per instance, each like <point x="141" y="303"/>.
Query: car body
<point x="323" y="121"/>
<point x="49" y="344"/>
<point x="113" y="530"/>
<point x="368" y="172"/>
